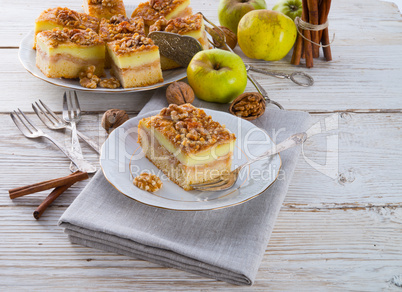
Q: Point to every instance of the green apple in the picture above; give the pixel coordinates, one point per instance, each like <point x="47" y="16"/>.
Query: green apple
<point x="291" y="8"/>
<point x="266" y="34"/>
<point x="217" y="75"/>
<point x="231" y="11"/>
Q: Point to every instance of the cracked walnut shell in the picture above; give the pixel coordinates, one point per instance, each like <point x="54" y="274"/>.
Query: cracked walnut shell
<point x="179" y="93"/>
<point x="249" y="106"/>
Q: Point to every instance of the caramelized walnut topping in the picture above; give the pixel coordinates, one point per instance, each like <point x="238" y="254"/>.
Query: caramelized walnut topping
<point x="69" y="18"/>
<point x="80" y="37"/>
<point x="88" y="79"/>
<point x="129" y="44"/>
<point x="148" y="182"/>
<point x="153" y="10"/>
<point x="111" y="82"/>
<point x="189" y="128"/>
<point x="119" y="27"/>
<point x="181" y="25"/>
<point x="106" y="3"/>
<point x="159" y="25"/>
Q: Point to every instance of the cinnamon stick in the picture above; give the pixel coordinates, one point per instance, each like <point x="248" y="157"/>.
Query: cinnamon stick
<point x="326" y="5"/>
<point x="297" y="51"/>
<point x="49" y="199"/>
<point x="46" y="185"/>
<point x="307" y="37"/>
<point x="313" y="19"/>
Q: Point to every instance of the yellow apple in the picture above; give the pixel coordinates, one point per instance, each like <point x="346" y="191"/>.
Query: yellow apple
<point x="266" y="34"/>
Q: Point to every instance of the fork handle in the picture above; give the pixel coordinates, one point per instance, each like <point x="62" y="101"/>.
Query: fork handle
<point x="89" y="141"/>
<point x="81" y="163"/>
<point x="290" y="142"/>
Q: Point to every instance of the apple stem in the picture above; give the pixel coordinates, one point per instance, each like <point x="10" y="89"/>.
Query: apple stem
<point x="217" y="66"/>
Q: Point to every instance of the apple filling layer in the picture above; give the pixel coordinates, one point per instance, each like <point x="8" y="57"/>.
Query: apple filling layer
<point x="186" y="144"/>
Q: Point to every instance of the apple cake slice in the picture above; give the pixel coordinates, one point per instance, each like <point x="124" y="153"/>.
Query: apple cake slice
<point x="119" y="27"/>
<point x="104" y="8"/>
<point x="64" y="18"/>
<point x="135" y="61"/>
<point x="152" y="10"/>
<point x="65" y="53"/>
<point x="186" y="144"/>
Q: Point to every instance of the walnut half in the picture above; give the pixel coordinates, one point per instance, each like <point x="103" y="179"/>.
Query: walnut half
<point x="148" y="182"/>
<point x="179" y="93"/>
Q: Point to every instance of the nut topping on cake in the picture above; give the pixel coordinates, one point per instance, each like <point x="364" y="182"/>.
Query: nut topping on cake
<point x="189" y="128"/>
<point x="182" y="25"/>
<point x="130" y="44"/>
<point x="106" y="3"/>
<point x="69" y="18"/>
<point x="120" y="26"/>
<point x="80" y="37"/>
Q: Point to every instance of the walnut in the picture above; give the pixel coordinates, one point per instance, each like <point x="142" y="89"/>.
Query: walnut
<point x="88" y="79"/>
<point x="111" y="82"/>
<point x="113" y="118"/>
<point x="230" y="36"/>
<point x="249" y="106"/>
<point x="179" y="93"/>
<point x="148" y="182"/>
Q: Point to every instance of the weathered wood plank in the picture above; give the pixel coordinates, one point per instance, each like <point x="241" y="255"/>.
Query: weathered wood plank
<point x="360" y="250"/>
<point x="365" y="173"/>
<point x="351" y="82"/>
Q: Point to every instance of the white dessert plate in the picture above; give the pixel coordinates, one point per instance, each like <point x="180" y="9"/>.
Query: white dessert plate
<point x="27" y="57"/>
<point x="122" y="159"/>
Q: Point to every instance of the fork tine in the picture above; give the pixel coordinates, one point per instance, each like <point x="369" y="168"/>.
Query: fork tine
<point x="28" y="120"/>
<point x="65" y="106"/>
<point x="71" y="105"/>
<point x="212" y="181"/>
<point x="50" y="112"/>
<point x="213" y="185"/>
<point x="77" y="104"/>
<point x="20" y="125"/>
<point x="41" y="114"/>
<point x="218" y="188"/>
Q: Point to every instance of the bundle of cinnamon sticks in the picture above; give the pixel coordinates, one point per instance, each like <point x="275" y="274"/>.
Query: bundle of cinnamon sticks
<point x="60" y="185"/>
<point x="314" y="12"/>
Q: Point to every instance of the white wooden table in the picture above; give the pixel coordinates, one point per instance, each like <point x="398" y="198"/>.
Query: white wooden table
<point x="333" y="233"/>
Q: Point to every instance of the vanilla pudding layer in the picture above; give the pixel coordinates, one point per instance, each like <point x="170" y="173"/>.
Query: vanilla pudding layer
<point x="181" y="174"/>
<point x="68" y="63"/>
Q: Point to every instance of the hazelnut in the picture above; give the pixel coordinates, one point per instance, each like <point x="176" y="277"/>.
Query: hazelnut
<point x="113" y="118"/>
<point x="230" y="36"/>
<point x="179" y="93"/>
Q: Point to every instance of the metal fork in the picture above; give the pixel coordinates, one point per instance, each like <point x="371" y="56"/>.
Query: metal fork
<point x="52" y="121"/>
<point x="226" y="181"/>
<point x="30" y="131"/>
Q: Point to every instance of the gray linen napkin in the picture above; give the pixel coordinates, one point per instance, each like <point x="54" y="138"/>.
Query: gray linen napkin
<point x="225" y="244"/>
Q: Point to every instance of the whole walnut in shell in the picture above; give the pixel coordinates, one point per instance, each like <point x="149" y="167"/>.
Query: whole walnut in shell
<point x="179" y="93"/>
<point x="230" y="36"/>
<point x="113" y="118"/>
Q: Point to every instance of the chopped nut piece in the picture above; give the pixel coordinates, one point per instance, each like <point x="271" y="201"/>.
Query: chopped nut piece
<point x="148" y="182"/>
<point x="88" y="79"/>
<point x="111" y="82"/>
<point x="249" y="106"/>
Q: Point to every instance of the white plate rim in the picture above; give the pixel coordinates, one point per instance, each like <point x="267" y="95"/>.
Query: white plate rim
<point x="192" y="210"/>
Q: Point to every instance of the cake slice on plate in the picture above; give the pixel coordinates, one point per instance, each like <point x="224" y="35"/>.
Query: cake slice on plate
<point x="67" y="52"/>
<point x="104" y="8"/>
<point x="192" y="25"/>
<point x="186" y="144"/>
<point x="64" y="18"/>
<point x="152" y="10"/>
<point x="119" y="27"/>
<point x="135" y="61"/>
